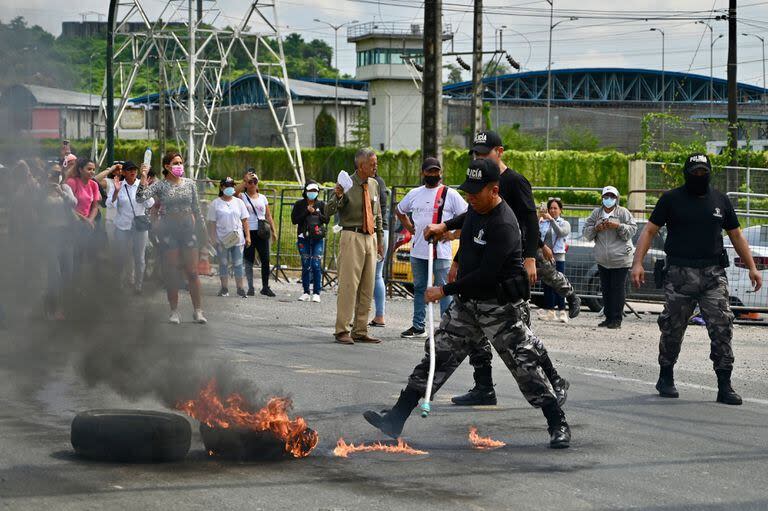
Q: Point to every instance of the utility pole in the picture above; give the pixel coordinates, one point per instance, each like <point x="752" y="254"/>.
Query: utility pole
<point x="663" y="81"/>
<point x="477" y="69"/>
<point x="432" y="80"/>
<point x="549" y="61"/>
<point x="733" y="127"/>
<point x="110" y="85"/>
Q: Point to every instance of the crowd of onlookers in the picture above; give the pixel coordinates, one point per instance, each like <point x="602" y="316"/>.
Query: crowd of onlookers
<point x="128" y="208"/>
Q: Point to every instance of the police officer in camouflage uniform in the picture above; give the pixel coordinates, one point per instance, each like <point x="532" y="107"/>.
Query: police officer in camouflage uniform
<point x="695" y="216"/>
<point x="490" y="292"/>
<point x="516" y="191"/>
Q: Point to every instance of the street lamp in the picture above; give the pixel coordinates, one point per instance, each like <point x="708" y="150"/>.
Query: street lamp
<point x="762" y="40"/>
<point x="712" y="42"/>
<point x="663" y="84"/>
<point x="549" y="60"/>
<point x="336" y="65"/>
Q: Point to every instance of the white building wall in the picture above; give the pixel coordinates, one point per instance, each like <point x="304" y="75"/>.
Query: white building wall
<point x="395" y="115"/>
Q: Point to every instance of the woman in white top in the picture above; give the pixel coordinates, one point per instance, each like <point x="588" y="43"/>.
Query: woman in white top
<point x="259" y="217"/>
<point x="58" y="218"/>
<point x="130" y="237"/>
<point x="554" y="231"/>
<point x="228" y="229"/>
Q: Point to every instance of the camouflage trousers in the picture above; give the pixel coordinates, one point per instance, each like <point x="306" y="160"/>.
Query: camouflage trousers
<point x="466" y="326"/>
<point x="685" y="287"/>
<point x="548" y="274"/>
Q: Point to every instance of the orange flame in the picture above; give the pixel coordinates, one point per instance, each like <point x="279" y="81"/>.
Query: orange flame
<point x="343" y="449"/>
<point x="483" y="442"/>
<point x="234" y="411"/>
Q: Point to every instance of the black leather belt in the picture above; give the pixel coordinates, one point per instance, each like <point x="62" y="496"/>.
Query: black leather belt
<point x="358" y="230"/>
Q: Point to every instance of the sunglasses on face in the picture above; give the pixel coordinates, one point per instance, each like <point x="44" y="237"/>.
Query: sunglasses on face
<point x="253" y="182"/>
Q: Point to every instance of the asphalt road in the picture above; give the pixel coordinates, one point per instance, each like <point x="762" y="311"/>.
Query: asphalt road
<point x="630" y="449"/>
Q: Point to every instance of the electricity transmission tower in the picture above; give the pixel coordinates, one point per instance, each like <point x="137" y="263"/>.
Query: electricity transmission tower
<point x="190" y="57"/>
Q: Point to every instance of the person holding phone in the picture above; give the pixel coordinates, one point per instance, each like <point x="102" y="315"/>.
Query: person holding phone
<point x="176" y="232"/>
<point x="263" y="231"/>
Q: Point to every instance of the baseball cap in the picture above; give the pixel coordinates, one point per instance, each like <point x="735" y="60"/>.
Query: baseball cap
<point x="431" y="163"/>
<point x="485" y="141"/>
<point x="480" y="173"/>
<point x="313" y="187"/>
<point x="129" y="165"/>
<point x="697" y="161"/>
<point x="227" y="181"/>
<point x="610" y="189"/>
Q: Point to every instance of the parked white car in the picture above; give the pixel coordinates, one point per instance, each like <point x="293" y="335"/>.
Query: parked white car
<point x="738" y="276"/>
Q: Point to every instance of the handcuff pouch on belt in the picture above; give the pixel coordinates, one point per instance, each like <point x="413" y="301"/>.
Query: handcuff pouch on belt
<point x="514" y="289"/>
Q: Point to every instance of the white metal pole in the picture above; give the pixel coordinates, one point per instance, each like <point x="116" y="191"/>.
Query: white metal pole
<point x="425" y="405"/>
<point x="191" y="63"/>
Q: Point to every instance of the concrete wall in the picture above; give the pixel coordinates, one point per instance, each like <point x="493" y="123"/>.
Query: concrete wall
<point x="395" y="113"/>
<point x="614" y="126"/>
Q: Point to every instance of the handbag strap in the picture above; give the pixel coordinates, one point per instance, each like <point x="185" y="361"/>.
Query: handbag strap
<point x="255" y="213"/>
<point x="129" y="201"/>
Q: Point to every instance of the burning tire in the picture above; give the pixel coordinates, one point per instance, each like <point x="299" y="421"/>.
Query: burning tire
<point x="131" y="436"/>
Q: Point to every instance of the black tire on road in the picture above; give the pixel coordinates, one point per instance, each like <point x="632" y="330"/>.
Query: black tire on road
<point x="131" y="435"/>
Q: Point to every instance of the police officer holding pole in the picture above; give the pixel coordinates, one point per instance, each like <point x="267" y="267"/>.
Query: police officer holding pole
<point x="538" y="260"/>
<point x="695" y="216"/>
<point x="490" y="295"/>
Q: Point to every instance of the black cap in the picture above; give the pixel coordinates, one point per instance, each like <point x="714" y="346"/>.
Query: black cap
<point x="227" y="181"/>
<point x="479" y="174"/>
<point x="697" y="161"/>
<point x="485" y="141"/>
<point x="129" y="165"/>
<point x="431" y="163"/>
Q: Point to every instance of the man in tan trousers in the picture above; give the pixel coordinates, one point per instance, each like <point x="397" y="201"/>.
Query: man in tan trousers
<point x="360" y="244"/>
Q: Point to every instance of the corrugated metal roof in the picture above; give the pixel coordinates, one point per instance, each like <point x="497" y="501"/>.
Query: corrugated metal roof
<point x="306" y="90"/>
<point x="51" y="96"/>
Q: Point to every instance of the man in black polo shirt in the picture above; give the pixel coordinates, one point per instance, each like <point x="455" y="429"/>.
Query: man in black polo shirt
<point x="491" y="290"/>
<point x="695" y="216"/>
<point x="516" y="191"/>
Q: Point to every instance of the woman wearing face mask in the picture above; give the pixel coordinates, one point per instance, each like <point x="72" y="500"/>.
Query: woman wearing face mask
<point x="228" y="227"/>
<point x="612" y="227"/>
<point x="259" y="217"/>
<point x="308" y="215"/>
<point x="179" y="217"/>
<point x="554" y="231"/>
<point x="87" y="193"/>
<point x="58" y="220"/>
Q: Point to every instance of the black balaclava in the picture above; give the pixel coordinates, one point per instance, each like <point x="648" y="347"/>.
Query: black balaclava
<point x="697" y="185"/>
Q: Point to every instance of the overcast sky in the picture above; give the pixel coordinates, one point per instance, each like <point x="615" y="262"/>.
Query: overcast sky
<point x="596" y="39"/>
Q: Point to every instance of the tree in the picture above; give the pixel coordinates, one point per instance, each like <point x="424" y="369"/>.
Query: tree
<point x="361" y="129"/>
<point x="491" y="69"/>
<point x="454" y="73"/>
<point x="325" y="130"/>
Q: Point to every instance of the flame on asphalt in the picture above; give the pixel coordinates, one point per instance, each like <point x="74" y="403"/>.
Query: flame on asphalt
<point x="343" y="449"/>
<point x="483" y="442"/>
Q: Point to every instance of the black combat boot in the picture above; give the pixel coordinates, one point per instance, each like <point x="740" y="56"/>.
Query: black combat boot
<point x="482" y="393"/>
<point x="559" y="431"/>
<point x="391" y="422"/>
<point x="574" y="304"/>
<point x="559" y="384"/>
<point x="725" y="393"/>
<point x="666" y="383"/>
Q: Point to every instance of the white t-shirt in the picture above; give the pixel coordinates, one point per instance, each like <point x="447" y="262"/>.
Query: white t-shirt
<point x="420" y="202"/>
<point x="229" y="216"/>
<point x="111" y="213"/>
<point x="260" y="203"/>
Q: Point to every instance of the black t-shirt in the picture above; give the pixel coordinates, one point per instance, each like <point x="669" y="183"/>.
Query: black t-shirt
<point x="516" y="191"/>
<point x="694" y="225"/>
<point x="491" y="252"/>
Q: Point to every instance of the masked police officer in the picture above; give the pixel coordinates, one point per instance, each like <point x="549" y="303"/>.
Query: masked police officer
<point x="695" y="216"/>
<point x="491" y="290"/>
<point x="516" y="191"/>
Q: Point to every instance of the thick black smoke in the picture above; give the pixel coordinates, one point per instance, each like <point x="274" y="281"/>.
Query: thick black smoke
<point x="110" y="337"/>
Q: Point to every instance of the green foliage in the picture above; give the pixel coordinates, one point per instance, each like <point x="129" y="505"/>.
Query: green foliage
<point x="454" y="73"/>
<point x="32" y="55"/>
<point x="578" y="138"/>
<point x="361" y="129"/>
<point x="487" y="115"/>
<point x="325" y="130"/>
<point x="517" y="140"/>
